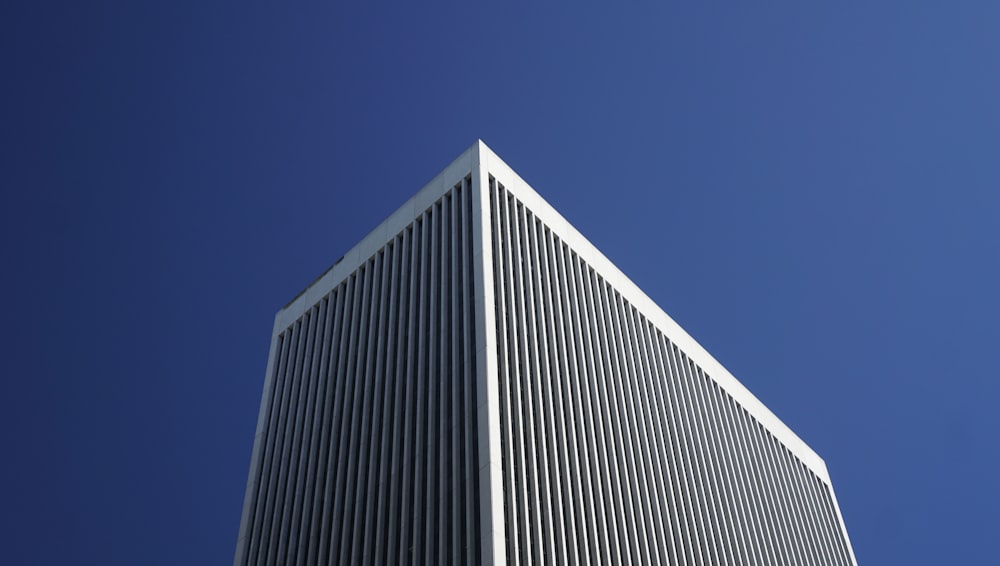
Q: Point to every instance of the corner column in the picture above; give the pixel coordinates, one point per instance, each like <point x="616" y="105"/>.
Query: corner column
<point x="494" y="551"/>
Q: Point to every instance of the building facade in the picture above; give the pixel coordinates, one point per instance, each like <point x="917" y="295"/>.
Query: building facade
<point x="475" y="383"/>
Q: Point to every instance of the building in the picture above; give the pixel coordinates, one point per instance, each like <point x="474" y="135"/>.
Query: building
<point x="475" y="383"/>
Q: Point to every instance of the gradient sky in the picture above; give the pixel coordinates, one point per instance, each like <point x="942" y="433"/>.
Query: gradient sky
<point x="812" y="192"/>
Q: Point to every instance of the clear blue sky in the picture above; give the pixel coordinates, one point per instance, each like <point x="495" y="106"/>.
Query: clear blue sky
<point x="812" y="192"/>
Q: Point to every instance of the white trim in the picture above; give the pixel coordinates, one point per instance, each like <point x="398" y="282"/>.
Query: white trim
<point x="255" y="455"/>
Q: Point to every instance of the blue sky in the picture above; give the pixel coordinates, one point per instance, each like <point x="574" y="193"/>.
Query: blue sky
<point x="812" y="192"/>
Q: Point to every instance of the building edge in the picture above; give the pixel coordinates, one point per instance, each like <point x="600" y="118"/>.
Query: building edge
<point x="255" y="454"/>
<point x="380" y="235"/>
<point x="488" y="405"/>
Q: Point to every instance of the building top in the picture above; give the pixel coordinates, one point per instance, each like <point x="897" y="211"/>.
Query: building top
<point x="481" y="162"/>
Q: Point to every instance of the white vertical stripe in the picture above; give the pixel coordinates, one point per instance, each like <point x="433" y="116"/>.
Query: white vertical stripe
<point x="345" y="409"/>
<point x="264" y="492"/>
<point x="681" y="455"/>
<point x="299" y="543"/>
<point x="413" y="357"/>
<point x="548" y="481"/>
<point x="720" y="521"/>
<point x="576" y="532"/>
<point x="501" y="255"/>
<point x="477" y="544"/>
<point x="387" y="422"/>
<point x="323" y="483"/>
<point x="336" y="401"/>
<point x="663" y="453"/>
<point x="662" y="545"/>
<point x="410" y="550"/>
<point x="286" y="431"/>
<point x="595" y="456"/>
<point x="582" y="437"/>
<point x="646" y="521"/>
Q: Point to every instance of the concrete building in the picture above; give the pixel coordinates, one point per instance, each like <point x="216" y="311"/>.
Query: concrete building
<point x="474" y="382"/>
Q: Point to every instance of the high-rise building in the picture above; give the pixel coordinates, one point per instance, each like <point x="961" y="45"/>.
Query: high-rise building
<point x="475" y="383"/>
